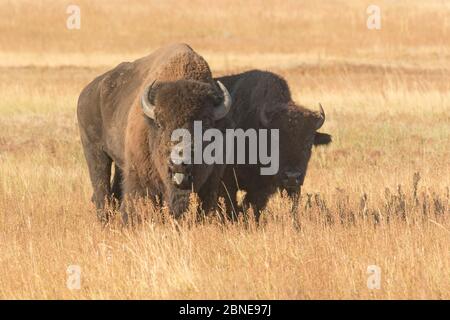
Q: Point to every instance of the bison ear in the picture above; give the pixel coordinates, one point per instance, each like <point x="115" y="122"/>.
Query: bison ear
<point x="321" y="139"/>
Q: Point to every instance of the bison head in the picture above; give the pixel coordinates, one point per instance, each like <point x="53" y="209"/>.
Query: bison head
<point x="298" y="133"/>
<point x="169" y="106"/>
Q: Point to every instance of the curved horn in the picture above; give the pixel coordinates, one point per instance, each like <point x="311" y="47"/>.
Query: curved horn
<point x="321" y="119"/>
<point x="222" y="110"/>
<point x="147" y="106"/>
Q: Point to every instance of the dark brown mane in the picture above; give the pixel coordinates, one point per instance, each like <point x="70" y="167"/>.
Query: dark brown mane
<point x="181" y="99"/>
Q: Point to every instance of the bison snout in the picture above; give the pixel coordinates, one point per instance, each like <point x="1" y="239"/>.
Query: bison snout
<point x="181" y="175"/>
<point x="182" y="180"/>
<point x="292" y="180"/>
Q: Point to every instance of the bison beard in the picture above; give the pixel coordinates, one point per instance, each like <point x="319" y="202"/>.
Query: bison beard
<point x="179" y="201"/>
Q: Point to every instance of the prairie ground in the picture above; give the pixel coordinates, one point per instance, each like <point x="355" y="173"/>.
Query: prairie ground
<point x="377" y="196"/>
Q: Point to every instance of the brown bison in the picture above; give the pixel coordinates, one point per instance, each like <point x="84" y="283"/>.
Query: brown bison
<point x="126" y="117"/>
<point x="263" y="100"/>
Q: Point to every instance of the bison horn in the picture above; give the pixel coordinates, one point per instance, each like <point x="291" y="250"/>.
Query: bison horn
<point x="321" y="119"/>
<point x="222" y="110"/>
<point x="147" y="106"/>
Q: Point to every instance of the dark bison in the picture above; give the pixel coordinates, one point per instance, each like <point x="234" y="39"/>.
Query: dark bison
<point x="263" y="100"/>
<point x="127" y="119"/>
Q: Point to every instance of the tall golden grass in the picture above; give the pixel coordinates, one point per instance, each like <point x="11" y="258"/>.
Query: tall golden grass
<point x="378" y="195"/>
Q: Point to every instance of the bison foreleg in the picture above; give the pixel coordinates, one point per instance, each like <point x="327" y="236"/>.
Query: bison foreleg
<point x="99" y="165"/>
<point x="116" y="187"/>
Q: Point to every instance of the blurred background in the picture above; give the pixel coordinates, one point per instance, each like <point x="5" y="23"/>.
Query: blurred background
<point x="412" y="32"/>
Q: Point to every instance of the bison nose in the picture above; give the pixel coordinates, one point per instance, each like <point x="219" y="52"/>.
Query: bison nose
<point x="292" y="180"/>
<point x="181" y="175"/>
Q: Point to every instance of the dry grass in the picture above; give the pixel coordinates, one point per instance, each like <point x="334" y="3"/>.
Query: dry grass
<point x="386" y="94"/>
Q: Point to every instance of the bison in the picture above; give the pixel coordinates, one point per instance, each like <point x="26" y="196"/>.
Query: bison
<point x="126" y="117"/>
<point x="263" y="100"/>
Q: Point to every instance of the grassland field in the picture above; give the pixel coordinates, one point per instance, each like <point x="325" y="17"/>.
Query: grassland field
<point x="378" y="195"/>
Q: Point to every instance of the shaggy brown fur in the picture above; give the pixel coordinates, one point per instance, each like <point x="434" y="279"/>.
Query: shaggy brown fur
<point x="173" y="97"/>
<point x="113" y="127"/>
<point x="263" y="100"/>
